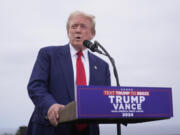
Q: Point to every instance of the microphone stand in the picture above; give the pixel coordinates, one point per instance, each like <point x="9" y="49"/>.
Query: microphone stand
<point x="115" y="74"/>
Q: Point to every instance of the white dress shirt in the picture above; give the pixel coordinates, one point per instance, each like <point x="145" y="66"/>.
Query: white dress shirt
<point x="85" y="60"/>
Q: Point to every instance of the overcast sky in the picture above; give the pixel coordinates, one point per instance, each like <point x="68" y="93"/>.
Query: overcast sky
<point x="141" y="35"/>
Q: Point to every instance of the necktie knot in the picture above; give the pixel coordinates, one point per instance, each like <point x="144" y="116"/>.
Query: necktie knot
<point x="79" y="54"/>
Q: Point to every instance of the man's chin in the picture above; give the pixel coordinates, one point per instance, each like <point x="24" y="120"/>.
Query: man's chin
<point x="78" y="46"/>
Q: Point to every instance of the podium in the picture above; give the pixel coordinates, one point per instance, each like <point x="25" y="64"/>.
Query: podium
<point x="105" y="104"/>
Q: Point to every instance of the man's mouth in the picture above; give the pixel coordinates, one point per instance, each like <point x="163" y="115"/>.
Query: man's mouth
<point x="78" y="37"/>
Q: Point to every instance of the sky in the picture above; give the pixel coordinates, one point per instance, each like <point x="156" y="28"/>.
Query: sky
<point x="141" y="35"/>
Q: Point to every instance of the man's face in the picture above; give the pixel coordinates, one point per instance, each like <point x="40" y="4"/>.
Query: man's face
<point x="79" y="30"/>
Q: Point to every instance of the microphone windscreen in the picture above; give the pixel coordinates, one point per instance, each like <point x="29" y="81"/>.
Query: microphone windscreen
<point x="87" y="43"/>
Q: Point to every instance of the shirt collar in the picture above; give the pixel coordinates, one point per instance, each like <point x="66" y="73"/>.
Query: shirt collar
<point x="74" y="52"/>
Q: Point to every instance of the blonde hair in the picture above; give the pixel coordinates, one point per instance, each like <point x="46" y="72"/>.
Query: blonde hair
<point x="90" y="17"/>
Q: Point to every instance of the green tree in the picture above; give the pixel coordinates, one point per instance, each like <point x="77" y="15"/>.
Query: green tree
<point x="21" y="130"/>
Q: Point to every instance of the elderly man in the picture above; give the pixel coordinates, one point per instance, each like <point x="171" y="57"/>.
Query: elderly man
<point x="57" y="71"/>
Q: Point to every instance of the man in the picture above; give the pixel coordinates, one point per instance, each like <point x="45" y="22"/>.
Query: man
<point x="57" y="71"/>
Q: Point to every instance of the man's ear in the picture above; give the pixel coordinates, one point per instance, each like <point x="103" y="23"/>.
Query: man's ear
<point x="67" y="33"/>
<point x="92" y="36"/>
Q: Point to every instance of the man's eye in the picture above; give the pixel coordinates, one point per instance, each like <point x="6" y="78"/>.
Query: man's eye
<point x="73" y="26"/>
<point x="83" y="26"/>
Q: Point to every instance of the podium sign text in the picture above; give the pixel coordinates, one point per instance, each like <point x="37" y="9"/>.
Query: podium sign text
<point x="123" y="102"/>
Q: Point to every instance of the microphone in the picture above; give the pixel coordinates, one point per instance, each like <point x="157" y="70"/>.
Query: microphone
<point x="93" y="47"/>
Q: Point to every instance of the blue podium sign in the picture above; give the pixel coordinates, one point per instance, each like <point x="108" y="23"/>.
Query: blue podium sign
<point x="123" y="102"/>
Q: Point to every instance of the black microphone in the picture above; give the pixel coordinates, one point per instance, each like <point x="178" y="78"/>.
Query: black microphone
<point x="93" y="47"/>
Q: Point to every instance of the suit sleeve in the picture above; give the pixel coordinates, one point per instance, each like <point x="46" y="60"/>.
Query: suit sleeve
<point x="38" y="83"/>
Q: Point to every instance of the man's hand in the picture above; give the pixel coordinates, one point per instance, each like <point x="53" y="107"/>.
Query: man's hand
<point x="53" y="113"/>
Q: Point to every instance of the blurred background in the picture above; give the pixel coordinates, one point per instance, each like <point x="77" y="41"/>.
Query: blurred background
<point x="141" y="35"/>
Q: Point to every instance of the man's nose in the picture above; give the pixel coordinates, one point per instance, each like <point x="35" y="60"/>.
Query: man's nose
<point x="78" y="28"/>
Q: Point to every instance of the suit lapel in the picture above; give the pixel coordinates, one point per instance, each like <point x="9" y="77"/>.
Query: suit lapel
<point x="93" y="66"/>
<point x="66" y="64"/>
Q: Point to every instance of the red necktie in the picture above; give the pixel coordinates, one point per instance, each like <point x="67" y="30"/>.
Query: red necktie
<point x="81" y="76"/>
<point x="80" y="80"/>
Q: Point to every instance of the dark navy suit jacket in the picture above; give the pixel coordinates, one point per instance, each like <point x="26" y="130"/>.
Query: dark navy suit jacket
<point x="52" y="81"/>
